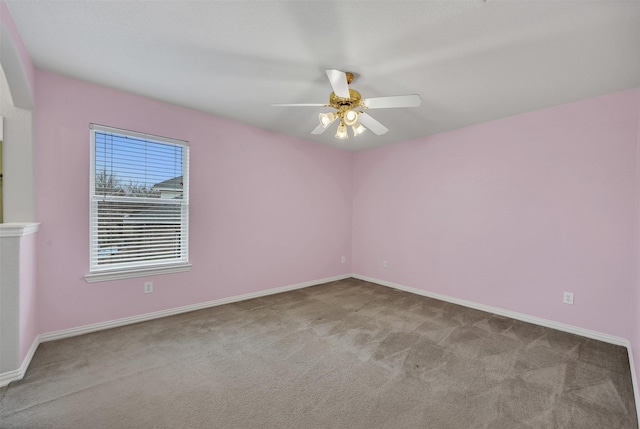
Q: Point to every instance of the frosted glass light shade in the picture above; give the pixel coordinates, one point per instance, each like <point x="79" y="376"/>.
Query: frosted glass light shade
<point x="358" y="129"/>
<point x="342" y="132"/>
<point x="327" y="118"/>
<point x="350" y="117"/>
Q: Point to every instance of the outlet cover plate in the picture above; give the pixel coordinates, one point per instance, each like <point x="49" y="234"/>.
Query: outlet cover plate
<point x="567" y="298"/>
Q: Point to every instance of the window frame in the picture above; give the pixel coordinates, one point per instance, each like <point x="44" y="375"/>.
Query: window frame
<point x="106" y="273"/>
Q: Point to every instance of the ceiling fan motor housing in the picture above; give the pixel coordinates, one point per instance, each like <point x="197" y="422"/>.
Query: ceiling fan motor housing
<point x="344" y="104"/>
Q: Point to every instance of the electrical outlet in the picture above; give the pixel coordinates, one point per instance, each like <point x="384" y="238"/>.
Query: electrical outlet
<point x="384" y="264"/>
<point x="148" y="287"/>
<point x="344" y="259"/>
<point x="567" y="298"/>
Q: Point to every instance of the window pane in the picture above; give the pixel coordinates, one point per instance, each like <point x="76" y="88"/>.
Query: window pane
<point x="139" y="208"/>
<point x="129" y="166"/>
<point x="136" y="232"/>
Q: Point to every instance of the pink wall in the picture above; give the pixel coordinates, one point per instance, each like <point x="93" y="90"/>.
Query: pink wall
<point x="511" y="213"/>
<point x="28" y="309"/>
<point x="266" y="210"/>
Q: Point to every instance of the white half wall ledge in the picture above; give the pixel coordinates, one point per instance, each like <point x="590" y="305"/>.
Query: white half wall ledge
<point x="18" y="229"/>
<point x="12" y="281"/>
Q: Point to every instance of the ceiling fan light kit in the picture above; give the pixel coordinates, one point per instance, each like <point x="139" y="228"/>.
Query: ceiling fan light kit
<point x="346" y="100"/>
<point x="358" y="129"/>
<point x="327" y="119"/>
<point x="350" y="117"/>
<point x="341" y="133"/>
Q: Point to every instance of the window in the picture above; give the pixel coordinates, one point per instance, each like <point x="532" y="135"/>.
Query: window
<point x="139" y="204"/>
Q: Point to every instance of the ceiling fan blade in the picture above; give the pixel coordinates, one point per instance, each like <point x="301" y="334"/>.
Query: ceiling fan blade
<point x="319" y="130"/>
<point x="412" y="100"/>
<point x="338" y="80"/>
<point x="298" y="105"/>
<point x="372" y="124"/>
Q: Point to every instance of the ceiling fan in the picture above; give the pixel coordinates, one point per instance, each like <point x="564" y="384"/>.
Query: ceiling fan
<point x="349" y="106"/>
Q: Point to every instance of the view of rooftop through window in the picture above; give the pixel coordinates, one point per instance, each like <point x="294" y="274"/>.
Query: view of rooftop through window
<point x="131" y="166"/>
<point x="139" y="200"/>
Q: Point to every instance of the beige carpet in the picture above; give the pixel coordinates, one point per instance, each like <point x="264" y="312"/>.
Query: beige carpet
<point x="348" y="354"/>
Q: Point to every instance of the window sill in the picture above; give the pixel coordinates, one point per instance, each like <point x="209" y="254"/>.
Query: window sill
<point x="137" y="272"/>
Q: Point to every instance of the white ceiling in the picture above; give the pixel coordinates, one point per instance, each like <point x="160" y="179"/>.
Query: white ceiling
<point x="470" y="61"/>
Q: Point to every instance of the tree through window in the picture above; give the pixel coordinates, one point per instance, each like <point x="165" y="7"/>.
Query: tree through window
<point x="139" y="200"/>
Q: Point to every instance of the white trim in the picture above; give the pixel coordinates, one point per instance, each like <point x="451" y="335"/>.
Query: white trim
<point x="7" y="377"/>
<point x="80" y="330"/>
<point x="127" y="269"/>
<point x="16" y="229"/>
<point x="18" y="374"/>
<point x="138" y="134"/>
<point x="137" y="272"/>
<point x="506" y="313"/>
<point x="611" y="339"/>
<point x="634" y="379"/>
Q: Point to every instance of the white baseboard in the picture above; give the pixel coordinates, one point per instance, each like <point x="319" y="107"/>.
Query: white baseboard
<point x="634" y="380"/>
<point x="525" y="318"/>
<point x="80" y="330"/>
<point x="18" y="374"/>
<point x="502" y="312"/>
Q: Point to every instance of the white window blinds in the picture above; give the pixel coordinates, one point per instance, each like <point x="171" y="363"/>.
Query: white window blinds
<point x="139" y="200"/>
